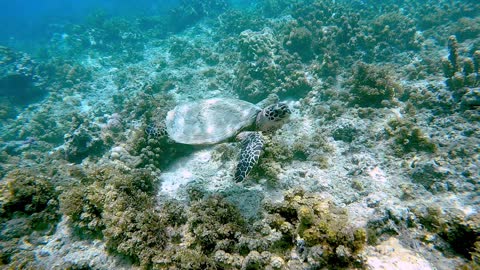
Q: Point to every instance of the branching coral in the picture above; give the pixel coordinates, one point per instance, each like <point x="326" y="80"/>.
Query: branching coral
<point x="213" y="226"/>
<point x="212" y="233"/>
<point x="461" y="72"/>
<point x="254" y="45"/>
<point x="300" y="41"/>
<point x="467" y="28"/>
<point x="23" y="191"/>
<point x="84" y="206"/>
<point x="83" y="142"/>
<point x="234" y="21"/>
<point x="219" y="237"/>
<point x="394" y="31"/>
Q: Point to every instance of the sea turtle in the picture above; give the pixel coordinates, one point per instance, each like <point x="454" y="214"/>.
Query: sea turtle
<point x="214" y="120"/>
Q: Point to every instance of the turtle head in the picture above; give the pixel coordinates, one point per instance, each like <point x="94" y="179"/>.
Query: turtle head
<point x="272" y="117"/>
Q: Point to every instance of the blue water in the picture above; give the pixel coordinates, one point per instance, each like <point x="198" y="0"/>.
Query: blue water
<point x="26" y="22"/>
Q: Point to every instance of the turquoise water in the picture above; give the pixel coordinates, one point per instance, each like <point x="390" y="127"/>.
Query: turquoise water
<point x="124" y="144"/>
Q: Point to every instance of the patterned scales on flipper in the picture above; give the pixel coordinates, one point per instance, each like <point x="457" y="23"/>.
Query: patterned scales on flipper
<point x="252" y="148"/>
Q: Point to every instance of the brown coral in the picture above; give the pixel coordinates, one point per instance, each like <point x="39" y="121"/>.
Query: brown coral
<point x="372" y="86"/>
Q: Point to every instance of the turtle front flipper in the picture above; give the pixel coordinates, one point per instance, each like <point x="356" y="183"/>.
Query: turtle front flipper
<point x="252" y="149"/>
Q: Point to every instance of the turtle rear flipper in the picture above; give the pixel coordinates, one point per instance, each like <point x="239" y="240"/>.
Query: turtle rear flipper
<point x="252" y="149"/>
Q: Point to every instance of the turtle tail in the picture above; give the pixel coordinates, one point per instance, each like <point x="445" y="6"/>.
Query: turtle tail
<point x="252" y="149"/>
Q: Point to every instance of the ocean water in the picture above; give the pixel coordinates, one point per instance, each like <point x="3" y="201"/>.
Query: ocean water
<point x="217" y="134"/>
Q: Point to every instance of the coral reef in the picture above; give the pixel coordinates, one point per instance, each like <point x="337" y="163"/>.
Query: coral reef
<point x="325" y="237"/>
<point x="119" y="207"/>
<point x="459" y="231"/>
<point x="100" y="33"/>
<point x="467" y="28"/>
<point x="21" y="81"/>
<point x="267" y="68"/>
<point x="393" y="32"/>
<point x="408" y="137"/>
<point x="24" y="192"/>
<point x="378" y="167"/>
<point x="219" y="231"/>
<point x="234" y="22"/>
<point x="28" y="209"/>
<point x="277" y="154"/>
<point x="17" y="75"/>
<point x="82" y="142"/>
<point x="430" y="175"/>
<point x="372" y="86"/>
<point x="214" y="224"/>
<point x="191" y="11"/>
<point x="212" y="232"/>
<point x="461" y="73"/>
<point x="84" y="206"/>
<point x="275" y="7"/>
<point x="300" y="41"/>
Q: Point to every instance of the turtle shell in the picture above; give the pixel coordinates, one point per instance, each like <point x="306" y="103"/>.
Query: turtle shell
<point x="209" y="121"/>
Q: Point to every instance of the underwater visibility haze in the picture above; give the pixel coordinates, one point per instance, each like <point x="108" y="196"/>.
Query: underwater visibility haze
<point x="217" y="134"/>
